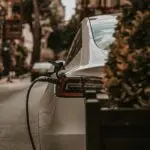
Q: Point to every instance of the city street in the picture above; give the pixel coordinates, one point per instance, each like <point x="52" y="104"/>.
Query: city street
<point x="66" y="130"/>
<point x="13" y="131"/>
<point x="7" y="89"/>
<point x="94" y="57"/>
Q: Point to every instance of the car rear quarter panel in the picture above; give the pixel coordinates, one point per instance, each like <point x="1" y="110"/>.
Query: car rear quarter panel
<point x="62" y="122"/>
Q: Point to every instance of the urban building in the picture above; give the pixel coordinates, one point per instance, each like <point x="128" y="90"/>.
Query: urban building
<point x="97" y="7"/>
<point x="12" y="6"/>
<point x="105" y="3"/>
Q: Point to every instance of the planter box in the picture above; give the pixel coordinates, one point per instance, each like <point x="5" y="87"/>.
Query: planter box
<point x="118" y="129"/>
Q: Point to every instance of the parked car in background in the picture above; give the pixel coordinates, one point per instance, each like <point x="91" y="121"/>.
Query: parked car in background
<point x="40" y="69"/>
<point x="64" y="103"/>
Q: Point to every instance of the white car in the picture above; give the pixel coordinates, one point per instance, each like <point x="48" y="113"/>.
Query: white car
<point x="40" y="69"/>
<point x="63" y="105"/>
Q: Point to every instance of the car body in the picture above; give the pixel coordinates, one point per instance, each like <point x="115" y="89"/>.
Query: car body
<point x="86" y="57"/>
<point x="90" y="55"/>
<point x="40" y="69"/>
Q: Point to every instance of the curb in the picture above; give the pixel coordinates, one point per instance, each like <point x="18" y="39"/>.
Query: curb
<point x="20" y="77"/>
<point x="4" y="92"/>
<point x="24" y="76"/>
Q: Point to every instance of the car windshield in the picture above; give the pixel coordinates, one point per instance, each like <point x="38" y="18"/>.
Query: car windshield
<point x="102" y="30"/>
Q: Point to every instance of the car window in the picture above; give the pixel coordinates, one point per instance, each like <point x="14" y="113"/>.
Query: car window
<point x="102" y="31"/>
<point x="76" y="46"/>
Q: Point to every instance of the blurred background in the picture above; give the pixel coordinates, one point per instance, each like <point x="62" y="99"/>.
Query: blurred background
<point x="41" y="30"/>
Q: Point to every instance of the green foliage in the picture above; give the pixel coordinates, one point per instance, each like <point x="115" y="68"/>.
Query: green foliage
<point x="62" y="38"/>
<point x="128" y="64"/>
<point x="70" y="31"/>
<point x="27" y="11"/>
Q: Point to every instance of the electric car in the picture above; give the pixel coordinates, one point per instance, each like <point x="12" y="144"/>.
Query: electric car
<point x="62" y="106"/>
<point x="40" y="69"/>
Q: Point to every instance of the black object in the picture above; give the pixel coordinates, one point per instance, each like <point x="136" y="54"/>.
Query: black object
<point x="40" y="79"/>
<point x="115" y="128"/>
<point x="93" y="138"/>
<point x="58" y="66"/>
<point x="6" y="55"/>
<point x="141" y="4"/>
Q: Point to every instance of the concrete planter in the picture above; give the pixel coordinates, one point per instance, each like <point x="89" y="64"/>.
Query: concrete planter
<point x="116" y="129"/>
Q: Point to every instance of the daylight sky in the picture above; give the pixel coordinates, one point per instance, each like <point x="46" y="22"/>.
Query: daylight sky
<point x="70" y="5"/>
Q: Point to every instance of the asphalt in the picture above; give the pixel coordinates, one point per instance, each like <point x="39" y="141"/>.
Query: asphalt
<point x="56" y="124"/>
<point x="8" y="89"/>
<point x="13" y="129"/>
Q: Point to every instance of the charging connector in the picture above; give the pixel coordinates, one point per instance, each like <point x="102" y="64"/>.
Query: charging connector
<point x="59" y="65"/>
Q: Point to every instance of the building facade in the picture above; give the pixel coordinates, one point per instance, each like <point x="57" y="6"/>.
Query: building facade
<point x="12" y="6"/>
<point x="106" y="3"/>
<point x="97" y="7"/>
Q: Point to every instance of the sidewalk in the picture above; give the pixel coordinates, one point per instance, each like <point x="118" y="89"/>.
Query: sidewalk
<point x="14" y="83"/>
<point x="7" y="88"/>
<point x="3" y="81"/>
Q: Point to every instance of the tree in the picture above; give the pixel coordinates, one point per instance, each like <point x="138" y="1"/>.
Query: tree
<point x="128" y="65"/>
<point x="27" y="12"/>
<point x="70" y="32"/>
<point x="56" y="38"/>
<point x="36" y="34"/>
<point x="39" y="8"/>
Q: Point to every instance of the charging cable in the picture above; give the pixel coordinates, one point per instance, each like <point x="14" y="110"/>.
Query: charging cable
<point x="59" y="65"/>
<point x="40" y="79"/>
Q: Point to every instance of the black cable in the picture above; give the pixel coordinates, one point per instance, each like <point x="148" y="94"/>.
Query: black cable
<point x="40" y="79"/>
<point x="40" y="145"/>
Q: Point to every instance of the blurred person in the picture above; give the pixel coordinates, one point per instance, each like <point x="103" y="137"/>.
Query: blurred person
<point x="13" y="58"/>
<point x="6" y="55"/>
<point x="21" y="55"/>
<point x="11" y="74"/>
<point x="28" y="42"/>
<point x="1" y="69"/>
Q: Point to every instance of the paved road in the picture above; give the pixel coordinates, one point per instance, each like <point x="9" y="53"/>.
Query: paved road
<point x="13" y="132"/>
<point x="65" y="132"/>
<point x="7" y="89"/>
